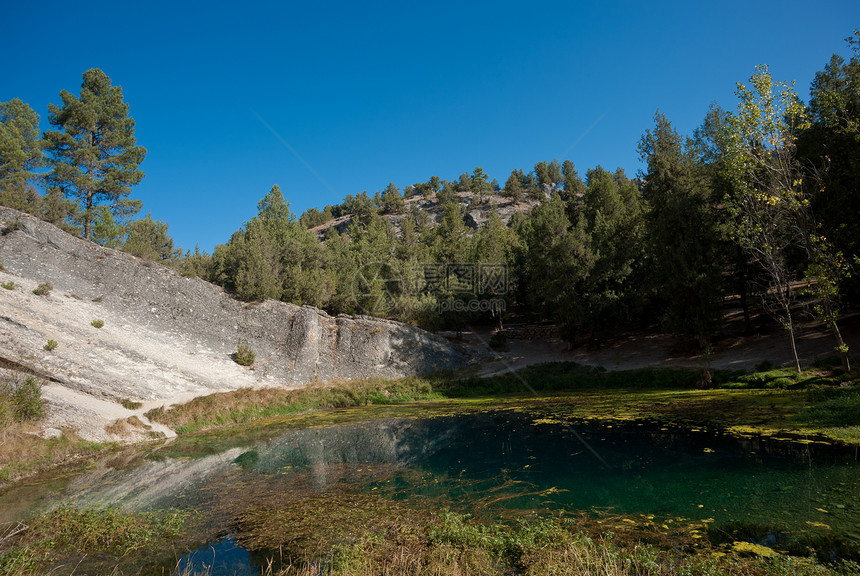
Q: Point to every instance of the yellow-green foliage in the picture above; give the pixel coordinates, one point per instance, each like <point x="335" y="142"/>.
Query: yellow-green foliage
<point x="97" y="323"/>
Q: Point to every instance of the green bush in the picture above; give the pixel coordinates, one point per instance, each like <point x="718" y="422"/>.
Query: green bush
<point x="98" y="323"/>
<point x="50" y="345"/>
<point x="244" y="356"/>
<point x="43" y="289"/>
<point x="23" y="400"/>
<point x="130" y="404"/>
<point x="8" y="285"/>
<point x="10" y="227"/>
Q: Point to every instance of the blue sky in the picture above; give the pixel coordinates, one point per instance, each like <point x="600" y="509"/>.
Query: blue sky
<point x="335" y="98"/>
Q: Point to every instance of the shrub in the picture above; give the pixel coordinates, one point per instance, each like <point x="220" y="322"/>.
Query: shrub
<point x="130" y="404"/>
<point x="43" y="289"/>
<point x="10" y="227"/>
<point x="23" y="400"/>
<point x="8" y="285"/>
<point x="244" y="356"/>
<point x="50" y="345"/>
<point x="98" y="323"/>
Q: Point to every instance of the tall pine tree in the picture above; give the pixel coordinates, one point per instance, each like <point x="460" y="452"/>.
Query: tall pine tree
<point x="93" y="155"/>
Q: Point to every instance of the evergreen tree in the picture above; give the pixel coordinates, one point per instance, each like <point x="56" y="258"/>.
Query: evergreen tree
<point x="832" y="146"/>
<point x="197" y="264"/>
<point x="479" y="184"/>
<point x="20" y="154"/>
<point x="59" y="211"/>
<point x="149" y="239"/>
<point x="106" y="232"/>
<point x="391" y="201"/>
<point x="554" y="264"/>
<point x="612" y="215"/>
<point x="256" y="262"/>
<point x="93" y="156"/>
<point x="574" y="187"/>
<point x="513" y="187"/>
<point x="683" y="238"/>
<point x="452" y="237"/>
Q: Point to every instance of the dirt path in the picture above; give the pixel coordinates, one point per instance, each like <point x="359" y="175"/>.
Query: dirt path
<point x="632" y="351"/>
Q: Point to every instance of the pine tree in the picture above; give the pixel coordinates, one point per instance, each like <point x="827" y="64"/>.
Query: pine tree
<point x="149" y="239"/>
<point x="20" y="154"/>
<point x="92" y="155"/>
<point x="683" y="238"/>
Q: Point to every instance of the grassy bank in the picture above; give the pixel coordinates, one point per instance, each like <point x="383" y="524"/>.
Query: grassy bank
<point x="820" y="401"/>
<point x="89" y="541"/>
<point x="22" y="450"/>
<point x="332" y="535"/>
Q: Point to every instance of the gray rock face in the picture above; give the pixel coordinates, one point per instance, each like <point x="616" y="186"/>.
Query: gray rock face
<point x="167" y="337"/>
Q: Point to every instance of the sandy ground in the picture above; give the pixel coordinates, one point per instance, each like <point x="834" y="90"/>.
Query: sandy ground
<point x="629" y="351"/>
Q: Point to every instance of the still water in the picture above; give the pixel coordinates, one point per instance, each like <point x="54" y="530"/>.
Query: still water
<point x="486" y="463"/>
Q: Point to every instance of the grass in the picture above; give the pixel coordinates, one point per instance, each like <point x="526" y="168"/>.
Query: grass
<point x="93" y="539"/>
<point x="130" y="404"/>
<point x="247" y="405"/>
<point x="47" y="541"/>
<point x="767" y="401"/>
<point x="22" y="450"/>
<point x="409" y="542"/>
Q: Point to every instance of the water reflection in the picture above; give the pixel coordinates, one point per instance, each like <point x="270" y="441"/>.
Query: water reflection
<point x="485" y="463"/>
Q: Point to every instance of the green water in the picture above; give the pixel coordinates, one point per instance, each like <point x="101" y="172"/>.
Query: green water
<point x="488" y="463"/>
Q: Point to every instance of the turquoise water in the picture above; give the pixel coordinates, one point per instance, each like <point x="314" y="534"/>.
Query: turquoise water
<point x="486" y="464"/>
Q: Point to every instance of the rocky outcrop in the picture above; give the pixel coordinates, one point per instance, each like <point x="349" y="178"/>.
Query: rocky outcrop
<point x="167" y="337"/>
<point x="474" y="217"/>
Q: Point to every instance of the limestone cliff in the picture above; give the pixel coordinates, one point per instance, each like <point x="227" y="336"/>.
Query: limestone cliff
<point x="167" y="337"/>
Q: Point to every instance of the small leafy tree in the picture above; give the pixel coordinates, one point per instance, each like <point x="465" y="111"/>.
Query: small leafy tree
<point x="771" y="191"/>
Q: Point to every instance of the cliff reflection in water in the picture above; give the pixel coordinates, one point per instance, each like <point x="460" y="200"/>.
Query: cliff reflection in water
<point x="524" y="460"/>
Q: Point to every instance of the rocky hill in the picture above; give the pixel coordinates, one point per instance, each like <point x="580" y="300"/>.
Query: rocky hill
<point x="168" y="338"/>
<point x="475" y="214"/>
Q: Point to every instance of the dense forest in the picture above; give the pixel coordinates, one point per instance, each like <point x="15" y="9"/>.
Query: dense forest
<point x="759" y="205"/>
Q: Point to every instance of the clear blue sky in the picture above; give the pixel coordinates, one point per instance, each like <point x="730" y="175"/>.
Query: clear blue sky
<point x="364" y="93"/>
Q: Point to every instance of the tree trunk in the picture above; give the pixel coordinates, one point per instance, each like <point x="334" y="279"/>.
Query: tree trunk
<point x="843" y="351"/>
<point x="793" y="346"/>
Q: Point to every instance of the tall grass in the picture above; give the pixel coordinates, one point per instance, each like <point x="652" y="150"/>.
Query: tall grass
<point x="246" y="405"/>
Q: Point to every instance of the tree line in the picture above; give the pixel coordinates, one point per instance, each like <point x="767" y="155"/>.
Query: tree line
<point x="760" y="203"/>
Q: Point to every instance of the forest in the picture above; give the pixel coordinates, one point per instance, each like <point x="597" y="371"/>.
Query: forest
<point x="758" y="206"/>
